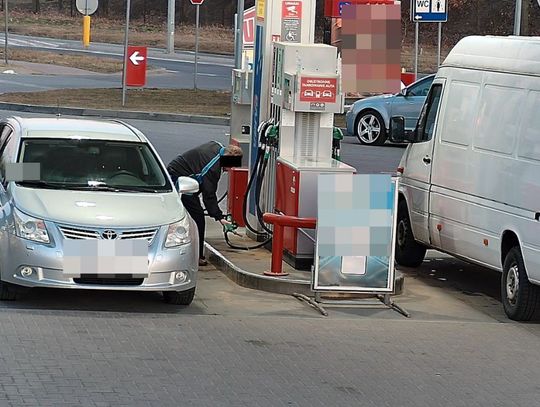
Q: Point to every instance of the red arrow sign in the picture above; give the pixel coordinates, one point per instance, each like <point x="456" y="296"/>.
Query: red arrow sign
<point x="136" y="66"/>
<point x="197" y="2"/>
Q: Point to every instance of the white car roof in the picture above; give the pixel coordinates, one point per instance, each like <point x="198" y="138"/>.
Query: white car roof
<point x="78" y="128"/>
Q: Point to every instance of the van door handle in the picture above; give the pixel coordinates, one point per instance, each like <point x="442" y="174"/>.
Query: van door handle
<point x="427" y="160"/>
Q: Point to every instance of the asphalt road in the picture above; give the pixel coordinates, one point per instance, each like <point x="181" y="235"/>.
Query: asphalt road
<point x="214" y="71"/>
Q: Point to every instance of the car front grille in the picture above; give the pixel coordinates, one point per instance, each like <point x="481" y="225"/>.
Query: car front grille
<point x="70" y="232"/>
<point x="117" y="281"/>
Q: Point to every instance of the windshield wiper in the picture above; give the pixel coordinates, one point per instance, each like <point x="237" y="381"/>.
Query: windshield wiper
<point x="105" y="187"/>
<point x="40" y="184"/>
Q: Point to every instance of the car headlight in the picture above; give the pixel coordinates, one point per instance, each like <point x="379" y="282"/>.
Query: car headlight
<point x="30" y="228"/>
<point x="178" y="233"/>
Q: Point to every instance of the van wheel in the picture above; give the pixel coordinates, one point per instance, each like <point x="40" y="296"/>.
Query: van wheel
<point x="520" y="298"/>
<point x="370" y="128"/>
<point x="179" y="297"/>
<point x="8" y="292"/>
<point x="409" y="253"/>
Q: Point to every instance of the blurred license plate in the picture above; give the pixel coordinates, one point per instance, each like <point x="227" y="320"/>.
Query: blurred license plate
<point x="106" y="257"/>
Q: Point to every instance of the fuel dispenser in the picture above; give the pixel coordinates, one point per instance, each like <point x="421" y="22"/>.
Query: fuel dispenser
<point x="306" y="92"/>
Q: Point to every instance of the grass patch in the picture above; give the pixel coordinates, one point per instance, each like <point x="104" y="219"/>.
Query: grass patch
<point x="211" y="38"/>
<point x="88" y="63"/>
<point x="199" y="102"/>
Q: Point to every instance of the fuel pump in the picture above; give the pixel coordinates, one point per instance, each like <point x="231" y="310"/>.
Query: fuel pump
<point x="306" y="93"/>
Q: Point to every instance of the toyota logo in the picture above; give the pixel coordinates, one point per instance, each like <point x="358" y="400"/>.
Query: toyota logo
<point x="109" y="235"/>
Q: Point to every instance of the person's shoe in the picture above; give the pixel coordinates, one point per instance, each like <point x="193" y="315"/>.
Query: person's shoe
<point x="203" y="262"/>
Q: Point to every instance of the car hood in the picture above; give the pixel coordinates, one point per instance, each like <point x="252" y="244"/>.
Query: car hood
<point x="376" y="98"/>
<point x="99" y="208"/>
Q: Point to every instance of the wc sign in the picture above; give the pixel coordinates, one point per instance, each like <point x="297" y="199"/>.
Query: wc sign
<point x="429" y="11"/>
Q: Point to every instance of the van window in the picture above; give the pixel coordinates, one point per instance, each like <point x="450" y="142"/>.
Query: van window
<point x="460" y="111"/>
<point x="529" y="147"/>
<point x="498" y="119"/>
<point x="426" y="123"/>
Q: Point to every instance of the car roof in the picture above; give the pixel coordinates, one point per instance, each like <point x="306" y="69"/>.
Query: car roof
<point x="61" y="127"/>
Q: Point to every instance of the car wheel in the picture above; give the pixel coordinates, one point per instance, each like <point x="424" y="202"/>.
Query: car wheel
<point x="8" y="292"/>
<point x="370" y="128"/>
<point x="179" y="297"/>
<point x="409" y="252"/>
<point x="520" y="298"/>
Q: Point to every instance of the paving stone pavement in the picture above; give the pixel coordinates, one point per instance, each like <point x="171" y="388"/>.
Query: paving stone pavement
<point x="239" y="347"/>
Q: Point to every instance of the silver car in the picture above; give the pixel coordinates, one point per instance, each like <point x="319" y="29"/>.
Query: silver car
<point x="89" y="205"/>
<point x="369" y="119"/>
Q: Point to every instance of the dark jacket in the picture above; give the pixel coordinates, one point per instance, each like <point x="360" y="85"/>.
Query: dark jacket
<point x="192" y="162"/>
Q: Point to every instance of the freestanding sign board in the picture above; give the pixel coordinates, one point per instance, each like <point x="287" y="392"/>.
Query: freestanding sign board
<point x="429" y="11"/>
<point x="356" y="226"/>
<point x="136" y="66"/>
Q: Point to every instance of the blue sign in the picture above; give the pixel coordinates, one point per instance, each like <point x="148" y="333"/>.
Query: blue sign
<point x="429" y="11"/>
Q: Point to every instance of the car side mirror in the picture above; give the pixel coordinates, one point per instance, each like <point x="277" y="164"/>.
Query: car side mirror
<point x="403" y="92"/>
<point x="187" y="185"/>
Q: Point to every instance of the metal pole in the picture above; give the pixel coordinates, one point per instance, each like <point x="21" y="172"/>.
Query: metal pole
<point x="517" y="18"/>
<point x="239" y="34"/>
<point x="170" y="27"/>
<point x="439" y="46"/>
<point x="416" y="52"/>
<point x="196" y="46"/>
<point x="128" y="7"/>
<point x="6" y="31"/>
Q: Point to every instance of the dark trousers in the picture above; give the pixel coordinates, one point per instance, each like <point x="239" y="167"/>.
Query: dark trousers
<point x="194" y="208"/>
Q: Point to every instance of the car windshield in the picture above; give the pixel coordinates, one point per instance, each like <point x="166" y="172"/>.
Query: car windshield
<point x="94" y="164"/>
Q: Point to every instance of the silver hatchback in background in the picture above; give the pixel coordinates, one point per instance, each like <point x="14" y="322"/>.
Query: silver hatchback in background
<point x="88" y="204"/>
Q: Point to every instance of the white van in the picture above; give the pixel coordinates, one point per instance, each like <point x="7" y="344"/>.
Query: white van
<point x="470" y="177"/>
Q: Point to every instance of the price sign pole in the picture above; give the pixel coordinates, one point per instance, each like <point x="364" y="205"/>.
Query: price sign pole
<point x="86" y="8"/>
<point x="6" y="31"/>
<point x="128" y="8"/>
<point x="196" y="3"/>
<point x="196" y="45"/>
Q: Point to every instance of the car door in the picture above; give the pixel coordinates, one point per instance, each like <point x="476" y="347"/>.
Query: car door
<point x="418" y="163"/>
<point x="409" y="106"/>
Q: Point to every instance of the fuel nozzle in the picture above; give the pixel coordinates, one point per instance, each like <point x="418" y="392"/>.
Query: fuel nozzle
<point x="232" y="227"/>
<point x="337" y="136"/>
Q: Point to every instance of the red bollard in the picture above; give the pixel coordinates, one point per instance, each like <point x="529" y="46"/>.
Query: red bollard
<point x="280" y="222"/>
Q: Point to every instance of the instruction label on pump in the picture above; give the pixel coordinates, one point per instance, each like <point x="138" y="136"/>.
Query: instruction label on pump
<point x="291" y="21"/>
<point x="318" y="90"/>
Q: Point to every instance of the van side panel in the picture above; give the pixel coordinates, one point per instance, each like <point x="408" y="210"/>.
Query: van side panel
<point x="482" y="182"/>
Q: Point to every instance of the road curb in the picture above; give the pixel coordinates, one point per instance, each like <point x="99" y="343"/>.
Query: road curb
<point x="276" y="284"/>
<point x="117" y="114"/>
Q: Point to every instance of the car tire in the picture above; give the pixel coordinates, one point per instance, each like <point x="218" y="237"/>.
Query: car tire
<point x="179" y="297"/>
<point x="409" y="252"/>
<point x="8" y="292"/>
<point x="520" y="298"/>
<point x="370" y="121"/>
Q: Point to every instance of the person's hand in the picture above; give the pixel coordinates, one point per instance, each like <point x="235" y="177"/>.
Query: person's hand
<point x="224" y="222"/>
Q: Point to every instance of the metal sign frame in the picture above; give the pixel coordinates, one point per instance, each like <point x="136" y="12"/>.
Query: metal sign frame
<point x="390" y="286"/>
